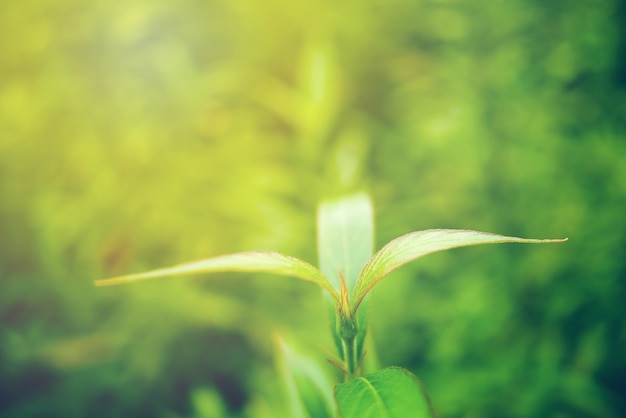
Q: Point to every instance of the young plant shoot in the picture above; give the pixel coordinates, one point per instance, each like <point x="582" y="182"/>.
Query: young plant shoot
<point x="348" y="272"/>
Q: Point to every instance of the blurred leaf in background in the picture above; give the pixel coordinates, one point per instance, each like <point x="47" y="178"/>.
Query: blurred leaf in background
<point x="138" y="134"/>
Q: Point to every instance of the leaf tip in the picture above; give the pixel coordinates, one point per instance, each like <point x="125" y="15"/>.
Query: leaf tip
<point x="554" y="240"/>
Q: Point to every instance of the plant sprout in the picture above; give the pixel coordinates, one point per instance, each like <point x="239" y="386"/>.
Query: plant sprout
<point x="347" y="274"/>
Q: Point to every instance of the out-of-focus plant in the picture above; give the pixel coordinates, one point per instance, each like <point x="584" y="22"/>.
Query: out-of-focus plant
<point x="348" y="272"/>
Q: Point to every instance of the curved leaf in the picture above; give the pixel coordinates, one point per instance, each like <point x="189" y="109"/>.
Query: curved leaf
<point x="389" y="393"/>
<point x="417" y="244"/>
<point x="250" y="261"/>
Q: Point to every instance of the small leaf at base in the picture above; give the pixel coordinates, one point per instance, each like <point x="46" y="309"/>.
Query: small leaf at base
<point x="389" y="393"/>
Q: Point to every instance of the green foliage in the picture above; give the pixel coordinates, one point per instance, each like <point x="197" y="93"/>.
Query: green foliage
<point x="252" y="261"/>
<point x="308" y="388"/>
<point x="345" y="237"/>
<point x="417" y="244"/>
<point x="345" y="242"/>
<point x="388" y="393"/>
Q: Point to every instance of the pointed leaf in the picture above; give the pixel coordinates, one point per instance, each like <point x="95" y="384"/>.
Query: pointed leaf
<point x="308" y="388"/>
<point x="389" y="393"/>
<point x="250" y="261"/>
<point x="345" y="242"/>
<point x="345" y="237"/>
<point x="417" y="244"/>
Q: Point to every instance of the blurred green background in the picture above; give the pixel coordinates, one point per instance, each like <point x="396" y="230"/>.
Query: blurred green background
<point x="137" y="134"/>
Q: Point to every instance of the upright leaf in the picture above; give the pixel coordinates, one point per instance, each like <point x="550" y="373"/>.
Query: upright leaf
<point x="389" y="393"/>
<point x="308" y="388"/>
<point x="417" y="244"/>
<point x="345" y="242"/>
<point x="250" y="261"/>
<point x="345" y="237"/>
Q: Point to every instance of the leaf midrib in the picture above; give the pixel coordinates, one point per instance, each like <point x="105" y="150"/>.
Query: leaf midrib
<point x="379" y="400"/>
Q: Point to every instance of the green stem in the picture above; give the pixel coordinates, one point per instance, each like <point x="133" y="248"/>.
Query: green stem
<point x="349" y="356"/>
<point x="348" y="332"/>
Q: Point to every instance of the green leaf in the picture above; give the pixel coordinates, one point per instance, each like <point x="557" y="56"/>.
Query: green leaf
<point x="345" y="237"/>
<point x="250" y="261"/>
<point x="345" y="242"/>
<point x="389" y="393"/>
<point x="417" y="244"/>
<point x="308" y="388"/>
